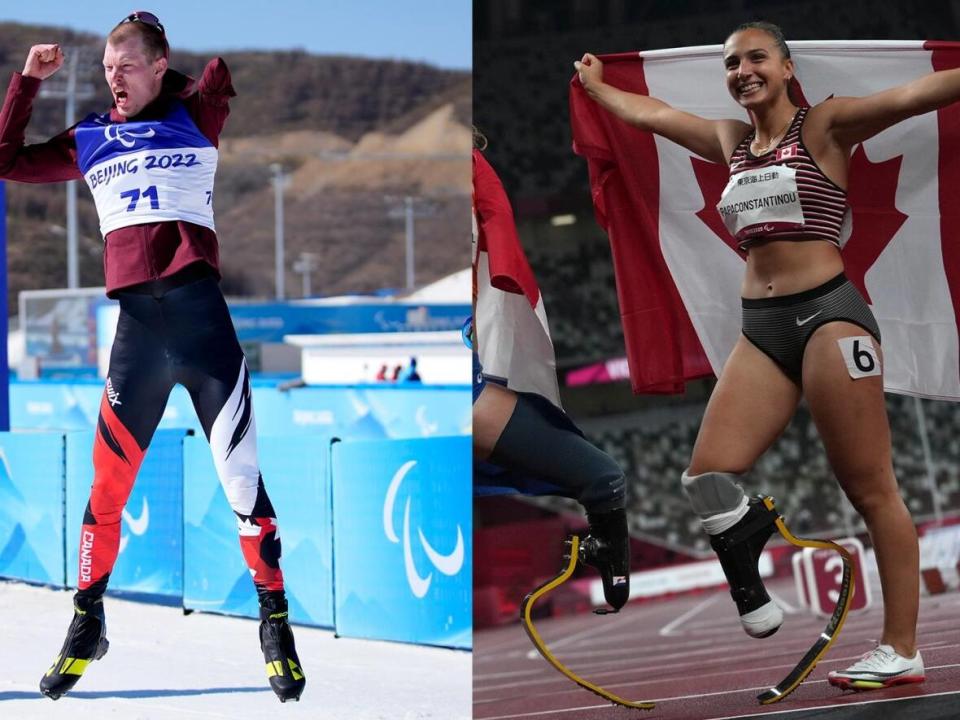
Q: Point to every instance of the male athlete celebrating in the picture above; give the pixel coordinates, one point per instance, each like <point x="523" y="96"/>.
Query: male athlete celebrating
<point x="150" y="163"/>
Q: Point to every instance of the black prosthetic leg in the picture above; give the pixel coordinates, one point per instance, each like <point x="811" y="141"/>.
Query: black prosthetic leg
<point x="607" y="548"/>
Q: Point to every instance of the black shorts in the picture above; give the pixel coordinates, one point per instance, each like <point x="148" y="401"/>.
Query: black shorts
<point x="781" y="326"/>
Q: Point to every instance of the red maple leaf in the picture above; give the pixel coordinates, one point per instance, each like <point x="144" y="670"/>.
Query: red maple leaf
<point x="871" y="195"/>
<point x="712" y="178"/>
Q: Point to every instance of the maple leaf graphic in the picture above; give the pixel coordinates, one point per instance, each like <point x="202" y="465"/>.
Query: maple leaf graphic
<point x="712" y="178"/>
<point x="872" y="198"/>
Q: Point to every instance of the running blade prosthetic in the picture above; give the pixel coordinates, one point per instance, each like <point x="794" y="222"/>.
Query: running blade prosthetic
<point x="286" y="677"/>
<point x="526" y="617"/>
<point x="86" y="641"/>
<point x="796" y="676"/>
<point x="607" y="548"/>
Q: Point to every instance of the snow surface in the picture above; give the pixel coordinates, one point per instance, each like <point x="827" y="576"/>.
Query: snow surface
<point x="164" y="665"/>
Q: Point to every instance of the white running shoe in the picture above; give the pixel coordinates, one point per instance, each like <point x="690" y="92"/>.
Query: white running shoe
<point x="879" y="668"/>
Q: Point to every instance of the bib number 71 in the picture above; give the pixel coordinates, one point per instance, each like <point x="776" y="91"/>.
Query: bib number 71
<point x="135" y="194"/>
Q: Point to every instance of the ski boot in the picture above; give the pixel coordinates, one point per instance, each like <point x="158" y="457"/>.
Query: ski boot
<point x="739" y="550"/>
<point x="86" y="641"/>
<point x="286" y="676"/>
<point x="607" y="548"/>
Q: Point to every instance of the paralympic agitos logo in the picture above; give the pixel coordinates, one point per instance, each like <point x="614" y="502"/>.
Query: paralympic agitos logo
<point x="446" y="564"/>
<point x="127" y="138"/>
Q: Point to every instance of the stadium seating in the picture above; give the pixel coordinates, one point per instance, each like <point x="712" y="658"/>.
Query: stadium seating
<point x="653" y="454"/>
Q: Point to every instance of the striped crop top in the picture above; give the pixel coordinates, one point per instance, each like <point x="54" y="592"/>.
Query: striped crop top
<point x="782" y="194"/>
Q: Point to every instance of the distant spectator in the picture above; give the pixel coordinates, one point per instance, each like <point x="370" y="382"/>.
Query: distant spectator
<point x="410" y="373"/>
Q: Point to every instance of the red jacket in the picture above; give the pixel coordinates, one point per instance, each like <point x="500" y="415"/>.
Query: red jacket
<point x="137" y="253"/>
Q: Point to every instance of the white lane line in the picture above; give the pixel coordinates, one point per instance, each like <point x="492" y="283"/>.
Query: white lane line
<point x="669" y="649"/>
<point x="846" y="704"/>
<point x="667" y="629"/>
<point x="554" y="679"/>
<point x="724" y="692"/>
<point x="593" y="633"/>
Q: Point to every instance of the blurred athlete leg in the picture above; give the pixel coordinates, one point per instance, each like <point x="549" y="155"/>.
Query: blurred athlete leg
<point x="491" y="412"/>
<point x="513" y="431"/>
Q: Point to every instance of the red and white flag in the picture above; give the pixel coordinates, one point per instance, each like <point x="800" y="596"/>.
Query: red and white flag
<point x="678" y="270"/>
<point x="511" y="323"/>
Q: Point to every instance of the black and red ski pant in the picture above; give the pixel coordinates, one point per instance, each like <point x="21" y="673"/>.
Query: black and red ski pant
<point x="171" y="332"/>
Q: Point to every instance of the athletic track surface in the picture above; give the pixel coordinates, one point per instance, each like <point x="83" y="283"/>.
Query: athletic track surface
<point x="689" y="655"/>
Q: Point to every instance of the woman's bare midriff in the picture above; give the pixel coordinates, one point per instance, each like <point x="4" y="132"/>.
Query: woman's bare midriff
<point x="785" y="267"/>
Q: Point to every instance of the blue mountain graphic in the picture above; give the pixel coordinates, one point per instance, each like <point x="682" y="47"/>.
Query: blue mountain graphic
<point x="298" y="613"/>
<point x="242" y="598"/>
<point x="76" y="419"/>
<point x="7" y="489"/>
<point x="366" y="427"/>
<point x="219" y="519"/>
<point x="12" y="548"/>
<point x="307" y="555"/>
<point x="361" y="618"/>
<point x="18" y="559"/>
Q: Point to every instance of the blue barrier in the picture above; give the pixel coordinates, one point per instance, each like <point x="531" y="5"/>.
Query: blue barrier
<point x="400" y="568"/>
<point x="297" y="477"/>
<point x="402" y="556"/>
<point x="269" y="322"/>
<point x="31" y="507"/>
<point x="363" y="412"/>
<point x="151" y="535"/>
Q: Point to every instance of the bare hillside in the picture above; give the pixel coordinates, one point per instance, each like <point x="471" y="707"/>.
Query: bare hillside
<point x="354" y="135"/>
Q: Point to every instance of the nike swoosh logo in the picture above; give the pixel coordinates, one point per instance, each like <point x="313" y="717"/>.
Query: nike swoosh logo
<point x="806" y="320"/>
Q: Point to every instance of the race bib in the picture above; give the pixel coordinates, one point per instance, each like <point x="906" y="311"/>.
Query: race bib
<point x="148" y="171"/>
<point x="156" y="185"/>
<point x="860" y="356"/>
<point x="761" y="201"/>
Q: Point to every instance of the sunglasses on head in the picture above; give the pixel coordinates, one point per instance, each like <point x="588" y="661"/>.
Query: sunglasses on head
<point x="147" y="18"/>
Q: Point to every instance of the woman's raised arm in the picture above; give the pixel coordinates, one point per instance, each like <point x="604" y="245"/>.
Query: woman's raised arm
<point x="851" y="120"/>
<point x="713" y="140"/>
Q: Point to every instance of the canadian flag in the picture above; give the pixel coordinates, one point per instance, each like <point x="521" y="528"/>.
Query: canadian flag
<point x="785" y="153"/>
<point x="678" y="270"/>
<point x="512" y="331"/>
